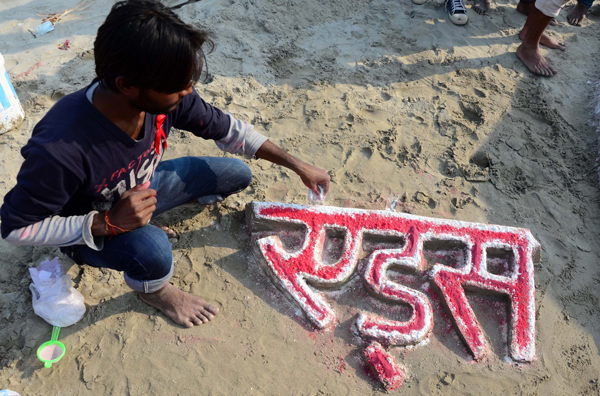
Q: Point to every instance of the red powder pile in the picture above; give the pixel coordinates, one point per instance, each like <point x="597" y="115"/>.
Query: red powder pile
<point x="383" y="366"/>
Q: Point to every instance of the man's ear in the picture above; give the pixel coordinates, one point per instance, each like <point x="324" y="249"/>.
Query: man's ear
<point x="126" y="88"/>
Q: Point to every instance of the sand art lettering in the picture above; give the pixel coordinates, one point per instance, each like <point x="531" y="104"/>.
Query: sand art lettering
<point x="304" y="257"/>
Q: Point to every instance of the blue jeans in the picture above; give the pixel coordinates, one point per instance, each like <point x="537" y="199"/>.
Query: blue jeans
<point x="144" y="255"/>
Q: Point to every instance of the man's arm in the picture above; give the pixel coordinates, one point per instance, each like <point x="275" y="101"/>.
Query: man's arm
<point x="30" y="210"/>
<point x="311" y="176"/>
<point x="238" y="137"/>
<point x="58" y="231"/>
<point x="133" y="210"/>
<point x="241" y="139"/>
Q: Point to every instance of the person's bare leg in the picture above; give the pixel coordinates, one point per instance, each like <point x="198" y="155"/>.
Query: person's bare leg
<point x="482" y="7"/>
<point x="181" y="307"/>
<point x="545" y="40"/>
<point x="529" y="51"/>
<point x="577" y="15"/>
<point x="526" y="7"/>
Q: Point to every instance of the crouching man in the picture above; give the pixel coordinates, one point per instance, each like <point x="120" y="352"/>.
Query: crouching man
<point x="93" y="179"/>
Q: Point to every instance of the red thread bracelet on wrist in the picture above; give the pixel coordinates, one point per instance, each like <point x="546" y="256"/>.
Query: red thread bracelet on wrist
<point x="113" y="228"/>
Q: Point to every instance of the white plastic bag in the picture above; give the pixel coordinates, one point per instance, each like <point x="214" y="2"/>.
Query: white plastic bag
<point x="54" y="298"/>
<point x="314" y="198"/>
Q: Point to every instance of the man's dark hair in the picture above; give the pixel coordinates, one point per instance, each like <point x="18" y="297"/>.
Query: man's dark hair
<point x="147" y="44"/>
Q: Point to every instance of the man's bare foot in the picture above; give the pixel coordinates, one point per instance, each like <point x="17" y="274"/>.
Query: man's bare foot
<point x="577" y="15"/>
<point x="535" y="62"/>
<point x="525" y="9"/>
<point x="549" y="42"/>
<point x="172" y="235"/>
<point x="482" y="7"/>
<point x="183" y="308"/>
<point x="546" y="41"/>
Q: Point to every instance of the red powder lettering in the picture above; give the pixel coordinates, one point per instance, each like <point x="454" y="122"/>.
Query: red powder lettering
<point x="295" y="269"/>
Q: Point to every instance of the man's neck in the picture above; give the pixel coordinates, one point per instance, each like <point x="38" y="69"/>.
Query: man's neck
<point x="117" y="109"/>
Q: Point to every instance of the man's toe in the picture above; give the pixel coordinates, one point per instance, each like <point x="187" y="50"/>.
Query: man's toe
<point x="202" y="318"/>
<point x="213" y="309"/>
<point x="207" y="314"/>
<point x="547" y="72"/>
<point x="542" y="71"/>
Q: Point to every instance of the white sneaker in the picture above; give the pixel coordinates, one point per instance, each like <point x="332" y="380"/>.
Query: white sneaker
<point x="419" y="2"/>
<point x="457" y="12"/>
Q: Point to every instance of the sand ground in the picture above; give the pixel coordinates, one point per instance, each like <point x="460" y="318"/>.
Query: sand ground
<point x="400" y="105"/>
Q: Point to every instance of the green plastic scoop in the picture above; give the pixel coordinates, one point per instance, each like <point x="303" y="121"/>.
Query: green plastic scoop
<point x="51" y="351"/>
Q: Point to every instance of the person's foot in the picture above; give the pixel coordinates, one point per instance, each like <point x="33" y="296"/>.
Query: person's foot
<point x="535" y="62"/>
<point x="525" y="9"/>
<point x="181" y="307"/>
<point x="172" y="235"/>
<point x="551" y="43"/>
<point x="577" y="15"/>
<point x="546" y="41"/>
<point x="482" y="7"/>
<point x="457" y="12"/>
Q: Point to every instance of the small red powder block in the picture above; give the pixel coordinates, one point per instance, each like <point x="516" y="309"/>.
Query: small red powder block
<point x="384" y="367"/>
<point x="495" y="259"/>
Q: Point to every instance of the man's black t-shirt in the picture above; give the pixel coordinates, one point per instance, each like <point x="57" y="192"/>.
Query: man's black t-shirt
<point x="77" y="160"/>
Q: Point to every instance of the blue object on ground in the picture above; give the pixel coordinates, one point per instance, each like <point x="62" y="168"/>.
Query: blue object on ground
<point x="41" y="29"/>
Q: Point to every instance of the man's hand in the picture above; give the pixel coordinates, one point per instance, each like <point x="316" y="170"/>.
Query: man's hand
<point x="311" y="176"/>
<point x="133" y="210"/>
